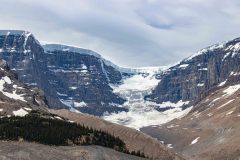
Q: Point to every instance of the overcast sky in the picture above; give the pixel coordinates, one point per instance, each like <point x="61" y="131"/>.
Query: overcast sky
<point x="131" y="33"/>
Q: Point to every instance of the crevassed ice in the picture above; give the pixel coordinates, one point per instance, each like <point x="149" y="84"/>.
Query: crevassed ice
<point x="143" y="113"/>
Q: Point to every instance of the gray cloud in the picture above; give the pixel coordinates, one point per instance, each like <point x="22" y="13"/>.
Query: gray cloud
<point x="128" y="32"/>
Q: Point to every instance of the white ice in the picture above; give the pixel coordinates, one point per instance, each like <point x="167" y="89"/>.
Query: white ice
<point x="21" y="112"/>
<point x="231" y="90"/>
<point x="143" y="113"/>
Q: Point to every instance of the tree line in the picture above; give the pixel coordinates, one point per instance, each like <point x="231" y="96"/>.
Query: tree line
<point x="48" y="130"/>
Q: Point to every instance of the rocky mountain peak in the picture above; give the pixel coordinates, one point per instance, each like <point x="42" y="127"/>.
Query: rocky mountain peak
<point x="193" y="77"/>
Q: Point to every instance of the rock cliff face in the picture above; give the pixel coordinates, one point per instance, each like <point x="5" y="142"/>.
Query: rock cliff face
<point x="211" y="130"/>
<point x="194" y="77"/>
<point x="83" y="79"/>
<point x="70" y="77"/>
<point x="17" y="99"/>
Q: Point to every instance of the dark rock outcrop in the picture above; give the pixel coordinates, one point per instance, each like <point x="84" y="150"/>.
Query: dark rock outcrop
<point x="15" y="97"/>
<point x="70" y="77"/>
<point x="192" y="78"/>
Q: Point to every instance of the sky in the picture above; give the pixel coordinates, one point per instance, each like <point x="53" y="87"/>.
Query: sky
<point x="130" y="33"/>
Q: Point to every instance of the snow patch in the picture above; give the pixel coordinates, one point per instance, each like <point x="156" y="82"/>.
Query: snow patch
<point x="226" y="103"/>
<point x="226" y="55"/>
<point x="60" y="94"/>
<point x="209" y="114"/>
<point x="74" y="110"/>
<point x="71" y="121"/>
<point x="231" y="90"/>
<point x="73" y="88"/>
<point x="172" y="126"/>
<point x="203" y="69"/>
<point x="169" y="146"/>
<point x="175" y="105"/>
<point x="137" y="120"/>
<point x="222" y="83"/>
<point x="21" y="112"/>
<point x="83" y="66"/>
<point x="200" y="84"/>
<point x="195" y="141"/>
<point x="79" y="104"/>
<point x="57" y="117"/>
<point x="7" y="79"/>
<point x="183" y="66"/>
<point x="230" y="112"/>
<point x="13" y="95"/>
<point x="28" y="109"/>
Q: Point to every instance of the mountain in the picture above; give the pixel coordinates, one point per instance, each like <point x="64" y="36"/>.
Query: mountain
<point x="194" y="77"/>
<point x="71" y="77"/>
<point x="192" y="107"/>
<point x="24" y="114"/>
<point x="210" y="82"/>
<point x="25" y="117"/>
<point x="211" y="130"/>
<point x="16" y="98"/>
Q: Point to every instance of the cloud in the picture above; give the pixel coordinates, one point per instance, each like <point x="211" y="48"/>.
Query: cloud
<point x="128" y="32"/>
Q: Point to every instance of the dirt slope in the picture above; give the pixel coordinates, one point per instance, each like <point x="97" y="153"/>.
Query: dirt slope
<point x="210" y="131"/>
<point x="34" y="151"/>
<point x="135" y="140"/>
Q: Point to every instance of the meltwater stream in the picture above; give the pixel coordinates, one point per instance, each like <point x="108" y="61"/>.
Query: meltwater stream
<point x="143" y="113"/>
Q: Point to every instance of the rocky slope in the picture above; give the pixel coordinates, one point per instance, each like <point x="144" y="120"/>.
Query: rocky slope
<point x="193" y="77"/>
<point x="29" y="151"/>
<point x="70" y="77"/>
<point x="211" y="130"/>
<point x="134" y="140"/>
<point x="15" y="97"/>
<point x="83" y="79"/>
<point x="18" y="99"/>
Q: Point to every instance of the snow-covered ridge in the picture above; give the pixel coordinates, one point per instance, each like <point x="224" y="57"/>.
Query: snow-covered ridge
<point x="231" y="48"/>
<point x="61" y="47"/>
<point x="49" y="47"/>
<point x="207" y="49"/>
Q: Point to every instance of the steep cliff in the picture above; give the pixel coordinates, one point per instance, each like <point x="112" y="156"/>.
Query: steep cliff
<point x="194" y="77"/>
<point x="71" y="77"/>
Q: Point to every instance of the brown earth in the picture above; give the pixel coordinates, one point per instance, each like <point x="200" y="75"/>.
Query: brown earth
<point x="215" y="120"/>
<point x="134" y="140"/>
<point x="33" y="151"/>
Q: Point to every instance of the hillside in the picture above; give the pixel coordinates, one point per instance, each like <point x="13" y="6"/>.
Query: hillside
<point x="193" y="77"/>
<point x="29" y="151"/>
<point x="211" y="130"/>
<point x="25" y="117"/>
<point x="50" y="67"/>
<point x="134" y="140"/>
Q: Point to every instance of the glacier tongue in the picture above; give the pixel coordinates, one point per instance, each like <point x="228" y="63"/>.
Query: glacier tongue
<point x="141" y="112"/>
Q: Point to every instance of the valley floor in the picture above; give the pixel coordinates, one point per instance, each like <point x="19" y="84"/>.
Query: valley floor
<point x="211" y="131"/>
<point x="32" y="151"/>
